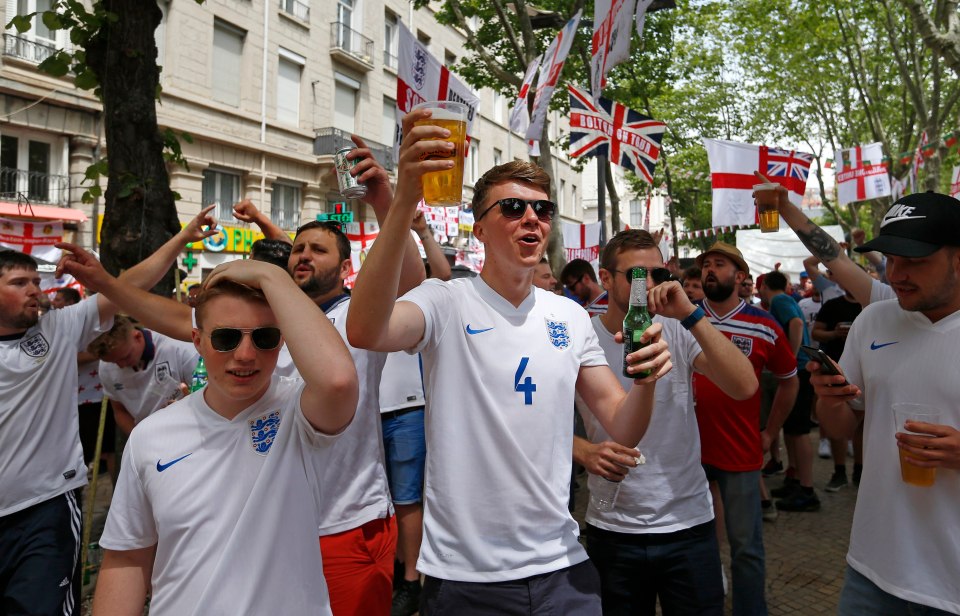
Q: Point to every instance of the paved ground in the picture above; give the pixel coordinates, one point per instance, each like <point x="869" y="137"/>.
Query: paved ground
<point x="805" y="551"/>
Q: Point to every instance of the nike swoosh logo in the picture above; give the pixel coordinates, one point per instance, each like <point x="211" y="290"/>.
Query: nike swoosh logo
<point x="163" y="467"/>
<point x="474" y="332"/>
<point x="874" y="346"/>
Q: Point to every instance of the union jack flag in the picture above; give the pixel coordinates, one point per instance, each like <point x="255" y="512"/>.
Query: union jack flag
<point x="792" y="166"/>
<point x="630" y="139"/>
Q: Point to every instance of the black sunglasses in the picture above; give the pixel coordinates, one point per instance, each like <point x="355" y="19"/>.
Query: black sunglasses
<point x="659" y="275"/>
<point x="226" y="339"/>
<point x="514" y="207"/>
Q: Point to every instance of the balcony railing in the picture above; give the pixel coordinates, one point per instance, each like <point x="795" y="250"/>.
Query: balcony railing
<point x="328" y="140"/>
<point x="346" y="40"/>
<point x="26" y="49"/>
<point x="35" y="186"/>
<point x="300" y="10"/>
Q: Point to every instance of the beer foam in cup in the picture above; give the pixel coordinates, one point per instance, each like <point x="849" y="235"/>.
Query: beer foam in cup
<point x="765" y="186"/>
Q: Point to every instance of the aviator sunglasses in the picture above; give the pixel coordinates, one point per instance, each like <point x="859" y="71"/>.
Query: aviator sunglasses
<point x="514" y="208"/>
<point x="226" y="339"/>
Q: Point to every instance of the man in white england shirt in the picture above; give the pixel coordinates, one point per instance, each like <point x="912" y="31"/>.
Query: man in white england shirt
<point x="501" y="361"/>
<point x="216" y="508"/>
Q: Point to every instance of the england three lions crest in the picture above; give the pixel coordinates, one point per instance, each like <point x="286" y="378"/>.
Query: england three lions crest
<point x="558" y="333"/>
<point x="35" y="346"/>
<point x="744" y="343"/>
<point x="263" y="431"/>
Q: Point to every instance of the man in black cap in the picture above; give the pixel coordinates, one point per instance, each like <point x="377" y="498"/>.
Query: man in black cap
<point x="903" y="552"/>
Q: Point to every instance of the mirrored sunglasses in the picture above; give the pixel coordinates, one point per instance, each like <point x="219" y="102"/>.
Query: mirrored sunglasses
<point x="226" y="339"/>
<point x="514" y="208"/>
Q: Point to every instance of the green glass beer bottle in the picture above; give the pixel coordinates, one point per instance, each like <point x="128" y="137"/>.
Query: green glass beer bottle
<point x="199" y="378"/>
<point x="637" y="319"/>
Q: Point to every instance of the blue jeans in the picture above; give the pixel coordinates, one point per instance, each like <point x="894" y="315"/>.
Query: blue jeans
<point x="861" y="596"/>
<point x="740" y="493"/>
<point x="681" y="568"/>
<point x="405" y="448"/>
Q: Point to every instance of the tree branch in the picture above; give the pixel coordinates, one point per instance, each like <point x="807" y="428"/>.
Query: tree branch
<point x="492" y="64"/>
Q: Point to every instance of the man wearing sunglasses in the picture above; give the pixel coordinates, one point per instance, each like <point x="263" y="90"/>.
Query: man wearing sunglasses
<point x="659" y="542"/>
<point x="578" y="276"/>
<point x="216" y="507"/>
<point x="501" y="361"/>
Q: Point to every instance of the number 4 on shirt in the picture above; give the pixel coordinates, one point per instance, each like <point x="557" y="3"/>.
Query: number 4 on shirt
<point x="527" y="387"/>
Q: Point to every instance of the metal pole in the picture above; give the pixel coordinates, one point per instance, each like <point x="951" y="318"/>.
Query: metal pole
<point x="601" y="198"/>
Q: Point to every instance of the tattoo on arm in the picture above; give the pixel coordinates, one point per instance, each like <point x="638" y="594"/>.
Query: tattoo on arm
<point x="819" y="243"/>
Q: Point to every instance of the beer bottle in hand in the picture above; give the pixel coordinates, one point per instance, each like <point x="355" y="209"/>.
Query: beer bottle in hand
<point x="199" y="378"/>
<point x="637" y="319"/>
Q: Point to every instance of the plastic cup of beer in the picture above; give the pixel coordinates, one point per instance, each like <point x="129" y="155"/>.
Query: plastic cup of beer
<point x="902" y="413"/>
<point x="767" y="197"/>
<point x="446" y="187"/>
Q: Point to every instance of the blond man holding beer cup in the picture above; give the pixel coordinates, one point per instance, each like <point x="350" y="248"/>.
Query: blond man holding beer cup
<point x="899" y="363"/>
<point x="501" y="360"/>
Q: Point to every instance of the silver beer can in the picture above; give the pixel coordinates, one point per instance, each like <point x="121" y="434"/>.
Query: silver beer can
<point x="350" y="188"/>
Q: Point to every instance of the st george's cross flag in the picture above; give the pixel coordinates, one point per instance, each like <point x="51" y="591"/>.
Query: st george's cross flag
<point x="955" y="183"/>
<point x="550" y="70"/>
<point x="607" y="128"/>
<point x="731" y="174"/>
<point x="581" y="241"/>
<point x="421" y="77"/>
<point x="861" y="174"/>
<point x="520" y="112"/>
<point x="610" y="44"/>
<point x="36" y="239"/>
<point x="361" y="236"/>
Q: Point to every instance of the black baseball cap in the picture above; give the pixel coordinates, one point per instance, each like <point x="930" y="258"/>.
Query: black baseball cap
<point x="917" y="226"/>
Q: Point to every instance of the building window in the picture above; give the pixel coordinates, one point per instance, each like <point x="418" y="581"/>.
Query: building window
<point x="449" y="59"/>
<point x="300" y="10"/>
<point x="289" y="72"/>
<point x="285" y="205"/>
<point x="560" y="196"/>
<point x="38" y="30"/>
<point x="497" y="107"/>
<point x="636" y="214"/>
<point x="424" y="39"/>
<point x="345" y="10"/>
<point x="474" y="161"/>
<point x="573" y="200"/>
<point x="345" y="102"/>
<point x="389" y="124"/>
<point x="222" y="188"/>
<point x="391" y="38"/>
<point x="227" y="62"/>
<point x="497" y="157"/>
<point x="25" y="169"/>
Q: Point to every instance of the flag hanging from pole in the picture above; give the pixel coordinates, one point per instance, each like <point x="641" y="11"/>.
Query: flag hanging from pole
<point x="36" y="239"/>
<point x="581" y="241"/>
<point x="955" y="182"/>
<point x="610" y="44"/>
<point x="550" y="69"/>
<point x="361" y="236"/>
<point x="860" y="174"/>
<point x="421" y="77"/>
<point x="520" y="113"/>
<point x="607" y="128"/>
<point x="731" y="174"/>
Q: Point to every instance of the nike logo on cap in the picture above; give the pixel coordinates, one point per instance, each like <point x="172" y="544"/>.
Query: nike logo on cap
<point x="874" y="346"/>
<point x="474" y="332"/>
<point x="163" y="467"/>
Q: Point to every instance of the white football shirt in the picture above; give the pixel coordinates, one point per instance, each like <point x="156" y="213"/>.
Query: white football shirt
<point x="144" y="391"/>
<point x="669" y="492"/>
<point x="499" y="384"/>
<point x="401" y="385"/>
<point x="230" y="504"/>
<point x="904" y="537"/>
<point x="40" y="452"/>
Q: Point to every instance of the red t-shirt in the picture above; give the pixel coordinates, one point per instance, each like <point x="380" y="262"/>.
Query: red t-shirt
<point x="730" y="429"/>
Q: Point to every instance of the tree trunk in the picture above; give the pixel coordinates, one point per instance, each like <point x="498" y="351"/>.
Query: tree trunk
<point x="139" y="211"/>
<point x="555" y="245"/>
<point x="614" y="200"/>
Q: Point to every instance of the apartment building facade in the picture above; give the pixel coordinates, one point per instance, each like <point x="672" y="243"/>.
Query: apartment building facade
<point x="268" y="91"/>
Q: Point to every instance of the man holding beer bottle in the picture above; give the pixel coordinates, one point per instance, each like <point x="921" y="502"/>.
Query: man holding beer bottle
<point x="903" y="554"/>
<point x="658" y="541"/>
<point x="501" y="361"/>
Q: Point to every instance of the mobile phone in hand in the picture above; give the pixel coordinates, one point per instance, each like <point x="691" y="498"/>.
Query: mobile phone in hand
<point x="827" y="366"/>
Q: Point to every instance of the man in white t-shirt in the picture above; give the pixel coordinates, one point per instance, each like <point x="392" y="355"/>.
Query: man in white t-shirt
<point x="659" y="541"/>
<point x="903" y="555"/>
<point x="501" y="362"/>
<point x="216" y="508"/>
<point x="141" y="371"/>
<point x="41" y="458"/>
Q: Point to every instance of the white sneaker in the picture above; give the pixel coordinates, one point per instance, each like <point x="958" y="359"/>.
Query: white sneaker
<point x="824" y="450"/>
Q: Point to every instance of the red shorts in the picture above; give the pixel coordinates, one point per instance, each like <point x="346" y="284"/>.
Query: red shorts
<point x="358" y="568"/>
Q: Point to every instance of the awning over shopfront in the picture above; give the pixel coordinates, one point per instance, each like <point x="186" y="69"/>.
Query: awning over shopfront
<point x="41" y="212"/>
